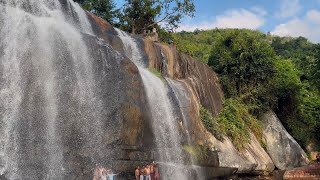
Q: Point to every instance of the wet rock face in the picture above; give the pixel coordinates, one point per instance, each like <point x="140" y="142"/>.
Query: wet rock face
<point x="197" y="77"/>
<point x="284" y="151"/>
<point x="68" y="98"/>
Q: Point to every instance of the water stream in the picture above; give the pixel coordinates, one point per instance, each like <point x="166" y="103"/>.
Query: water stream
<point x="164" y="121"/>
<point x="45" y="67"/>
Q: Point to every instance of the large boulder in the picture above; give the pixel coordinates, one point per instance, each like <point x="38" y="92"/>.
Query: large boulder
<point x="252" y="159"/>
<point x="284" y="151"/>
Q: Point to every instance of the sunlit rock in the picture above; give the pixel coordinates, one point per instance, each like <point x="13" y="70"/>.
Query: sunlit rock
<point x="284" y="151"/>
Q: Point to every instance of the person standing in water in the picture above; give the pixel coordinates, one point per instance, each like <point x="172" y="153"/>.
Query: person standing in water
<point x="147" y="172"/>
<point x="103" y="173"/>
<point x="98" y="172"/>
<point x="110" y="174"/>
<point x="152" y="170"/>
<point x="142" y="173"/>
<point x="156" y="172"/>
<point x="137" y="173"/>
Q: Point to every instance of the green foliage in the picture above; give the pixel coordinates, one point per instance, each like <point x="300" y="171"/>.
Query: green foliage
<point x="260" y="72"/>
<point x="210" y="123"/>
<point x="287" y="79"/>
<point x="244" y="61"/>
<point x="308" y="114"/>
<point x="237" y="122"/>
<point x="244" y="58"/>
<point x="139" y="15"/>
<point x="164" y="35"/>
<point x="316" y="71"/>
<point x="157" y="73"/>
<point x="198" y="152"/>
<point x="197" y="44"/>
<point x="102" y="8"/>
<point x="304" y="54"/>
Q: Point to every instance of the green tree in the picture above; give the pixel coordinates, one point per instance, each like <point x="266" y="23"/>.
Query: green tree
<point x="136" y="15"/>
<point x="315" y="72"/>
<point x="139" y="15"/>
<point x="102" y="8"/>
<point x="244" y="61"/>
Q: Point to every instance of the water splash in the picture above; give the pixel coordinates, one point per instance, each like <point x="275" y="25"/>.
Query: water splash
<point x="36" y="46"/>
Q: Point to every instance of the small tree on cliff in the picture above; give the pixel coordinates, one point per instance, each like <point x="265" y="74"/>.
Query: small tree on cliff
<point x="139" y="15"/>
<point x="102" y="8"/>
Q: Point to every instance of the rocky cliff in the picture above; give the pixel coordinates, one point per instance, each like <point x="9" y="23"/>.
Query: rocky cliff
<point x="200" y="86"/>
<point x="76" y="92"/>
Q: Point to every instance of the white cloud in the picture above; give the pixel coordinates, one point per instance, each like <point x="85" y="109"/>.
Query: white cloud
<point x="288" y="8"/>
<point x="313" y="16"/>
<point x="260" y="11"/>
<point x="308" y="26"/>
<point x="240" y="18"/>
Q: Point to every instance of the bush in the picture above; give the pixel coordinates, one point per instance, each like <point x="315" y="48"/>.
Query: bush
<point x="210" y="123"/>
<point x="237" y="122"/>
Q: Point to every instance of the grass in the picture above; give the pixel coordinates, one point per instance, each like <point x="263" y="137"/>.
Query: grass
<point x="158" y="74"/>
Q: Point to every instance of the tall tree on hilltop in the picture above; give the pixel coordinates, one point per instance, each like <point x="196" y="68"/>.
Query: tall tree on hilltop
<point x="244" y="61"/>
<point x="139" y="15"/>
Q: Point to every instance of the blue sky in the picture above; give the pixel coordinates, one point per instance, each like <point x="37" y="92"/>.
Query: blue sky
<point x="280" y="17"/>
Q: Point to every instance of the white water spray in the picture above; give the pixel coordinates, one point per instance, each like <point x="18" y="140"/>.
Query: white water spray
<point x="35" y="38"/>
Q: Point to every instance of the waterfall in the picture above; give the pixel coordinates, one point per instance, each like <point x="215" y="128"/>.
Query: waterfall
<point x="184" y="100"/>
<point x="47" y="88"/>
<point x="164" y="121"/>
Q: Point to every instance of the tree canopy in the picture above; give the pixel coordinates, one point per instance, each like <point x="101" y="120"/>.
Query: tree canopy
<point x="244" y="58"/>
<point x="138" y="15"/>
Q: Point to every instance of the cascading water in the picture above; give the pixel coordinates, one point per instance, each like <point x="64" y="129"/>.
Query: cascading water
<point x="51" y="104"/>
<point x="164" y="123"/>
<point x="184" y="99"/>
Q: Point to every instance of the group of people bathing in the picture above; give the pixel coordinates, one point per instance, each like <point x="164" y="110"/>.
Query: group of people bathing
<point x="101" y="173"/>
<point x="148" y="172"/>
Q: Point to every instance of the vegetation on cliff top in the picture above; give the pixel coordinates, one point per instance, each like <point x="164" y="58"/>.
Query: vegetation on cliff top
<point x="259" y="72"/>
<point x="135" y="16"/>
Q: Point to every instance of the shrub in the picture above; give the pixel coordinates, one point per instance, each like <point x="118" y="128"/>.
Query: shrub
<point x="237" y="122"/>
<point x="210" y="123"/>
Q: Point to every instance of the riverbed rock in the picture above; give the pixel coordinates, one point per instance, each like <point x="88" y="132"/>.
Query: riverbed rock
<point x="311" y="172"/>
<point x="283" y="149"/>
